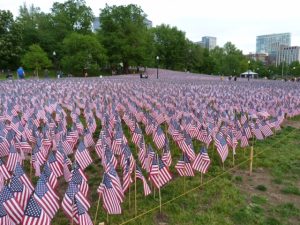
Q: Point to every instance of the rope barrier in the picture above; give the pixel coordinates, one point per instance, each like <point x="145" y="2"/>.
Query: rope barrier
<point x="209" y="181"/>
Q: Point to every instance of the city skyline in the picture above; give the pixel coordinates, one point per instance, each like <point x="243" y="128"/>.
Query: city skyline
<point x="230" y="20"/>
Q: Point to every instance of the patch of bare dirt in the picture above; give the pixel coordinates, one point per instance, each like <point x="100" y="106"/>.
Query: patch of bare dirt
<point x="161" y="219"/>
<point x="290" y="123"/>
<point x="273" y="193"/>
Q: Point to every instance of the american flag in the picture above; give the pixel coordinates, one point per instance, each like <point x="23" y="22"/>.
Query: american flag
<point x="78" y="177"/>
<point x="265" y="129"/>
<point x="137" y="134"/>
<point x="20" y="192"/>
<point x="244" y="139"/>
<point x="256" y="131"/>
<point x="54" y="164"/>
<point x="82" y="214"/>
<point x="4" y="218"/>
<point x="88" y="138"/>
<point x="111" y="201"/>
<point x="50" y="176"/>
<point x="11" y="206"/>
<point x="166" y="157"/>
<point x="139" y="175"/>
<point x="34" y="214"/>
<point x="4" y="147"/>
<point x="184" y="166"/>
<point x="46" y="197"/>
<point x="117" y="141"/>
<point x="186" y="145"/>
<point x="13" y="158"/>
<point x="19" y="172"/>
<point x="82" y="156"/>
<point x="159" y="173"/>
<point x="116" y="183"/>
<point x="202" y="161"/>
<point x="159" y="138"/>
<point x="23" y="145"/>
<point x="68" y="202"/>
<point x="222" y="146"/>
<point x="4" y="171"/>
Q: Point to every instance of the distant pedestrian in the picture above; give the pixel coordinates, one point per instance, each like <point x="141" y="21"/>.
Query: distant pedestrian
<point x="21" y="72"/>
<point x="235" y="78"/>
<point x="86" y="74"/>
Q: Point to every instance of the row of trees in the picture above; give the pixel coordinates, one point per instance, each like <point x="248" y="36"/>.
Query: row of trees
<point x="63" y="39"/>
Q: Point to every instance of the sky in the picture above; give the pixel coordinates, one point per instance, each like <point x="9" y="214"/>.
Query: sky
<point x="237" y="21"/>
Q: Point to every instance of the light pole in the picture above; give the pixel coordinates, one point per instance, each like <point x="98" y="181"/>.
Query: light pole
<point x="248" y="70"/>
<point x="157" y="61"/>
<point x="55" y="61"/>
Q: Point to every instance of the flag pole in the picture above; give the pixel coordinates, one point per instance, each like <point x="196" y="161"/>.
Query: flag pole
<point x="97" y="210"/>
<point x="159" y="200"/>
<point x="201" y="178"/>
<point x="129" y="196"/>
<point x="135" y="203"/>
<point x="107" y="218"/>
<point x="233" y="150"/>
<point x="251" y="160"/>
<point x="30" y="165"/>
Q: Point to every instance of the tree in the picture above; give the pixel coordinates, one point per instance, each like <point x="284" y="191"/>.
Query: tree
<point x="72" y="16"/>
<point x="171" y="46"/>
<point x="36" y="58"/>
<point x="10" y="40"/>
<point x="125" y="36"/>
<point x="82" y="52"/>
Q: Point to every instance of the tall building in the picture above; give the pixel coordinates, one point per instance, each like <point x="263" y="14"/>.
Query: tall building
<point x="95" y="24"/>
<point x="207" y="42"/>
<point x="270" y="43"/>
<point x="288" y="55"/>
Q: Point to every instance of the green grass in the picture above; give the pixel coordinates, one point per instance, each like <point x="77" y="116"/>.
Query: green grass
<point x="291" y="190"/>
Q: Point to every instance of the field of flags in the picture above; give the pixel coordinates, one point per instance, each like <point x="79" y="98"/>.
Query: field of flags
<point x="50" y="128"/>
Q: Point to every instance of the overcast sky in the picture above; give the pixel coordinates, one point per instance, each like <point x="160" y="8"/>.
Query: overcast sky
<point x="238" y="21"/>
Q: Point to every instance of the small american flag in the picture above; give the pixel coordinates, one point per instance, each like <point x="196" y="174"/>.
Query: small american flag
<point x="11" y="206"/>
<point x="140" y="176"/>
<point x="159" y="138"/>
<point x="34" y="214"/>
<point x="202" y="161"/>
<point x="20" y="192"/>
<point x="19" y="172"/>
<point x="46" y="197"/>
<point x="184" y="166"/>
<point x="4" y="218"/>
<point x="111" y="201"/>
<point x="82" y="214"/>
<point x="13" y="158"/>
<point x="166" y="158"/>
<point x="222" y="146"/>
<point x="82" y="156"/>
<point x="4" y="171"/>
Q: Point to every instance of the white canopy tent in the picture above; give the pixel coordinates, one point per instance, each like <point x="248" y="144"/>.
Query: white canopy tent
<point x="249" y="73"/>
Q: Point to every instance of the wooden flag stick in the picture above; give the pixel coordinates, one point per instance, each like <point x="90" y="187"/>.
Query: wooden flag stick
<point x="223" y="167"/>
<point x="95" y="220"/>
<point x="129" y="197"/>
<point x="135" y="203"/>
<point x="201" y="178"/>
<point x="251" y="160"/>
<point x="30" y="165"/>
<point x="107" y="218"/>
<point x="233" y="157"/>
<point x="159" y="200"/>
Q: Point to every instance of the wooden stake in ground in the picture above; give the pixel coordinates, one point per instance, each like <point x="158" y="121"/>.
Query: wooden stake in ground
<point x="135" y="203"/>
<point x="95" y="220"/>
<point x="233" y="153"/>
<point x="159" y="200"/>
<point x="201" y="178"/>
<point x="251" y="160"/>
<point x="129" y="197"/>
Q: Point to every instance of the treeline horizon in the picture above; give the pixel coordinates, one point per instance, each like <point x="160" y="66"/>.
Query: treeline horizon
<point x="63" y="40"/>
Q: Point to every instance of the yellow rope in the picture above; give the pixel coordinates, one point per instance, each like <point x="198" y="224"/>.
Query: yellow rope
<point x="207" y="182"/>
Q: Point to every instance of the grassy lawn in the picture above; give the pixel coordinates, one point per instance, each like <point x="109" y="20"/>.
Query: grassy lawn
<point x="270" y="196"/>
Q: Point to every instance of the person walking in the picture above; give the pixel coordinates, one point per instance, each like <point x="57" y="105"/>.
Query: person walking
<point x="21" y="72"/>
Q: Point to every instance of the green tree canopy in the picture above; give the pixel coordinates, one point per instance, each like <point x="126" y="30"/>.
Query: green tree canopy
<point x="10" y="40"/>
<point x="124" y="34"/>
<point x="36" y="58"/>
<point x="171" y="46"/>
<point x="82" y="52"/>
